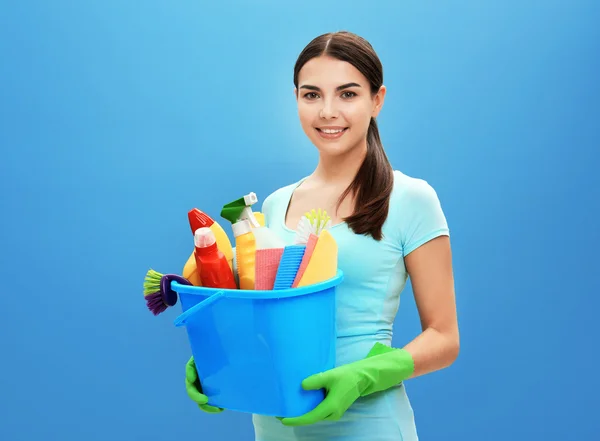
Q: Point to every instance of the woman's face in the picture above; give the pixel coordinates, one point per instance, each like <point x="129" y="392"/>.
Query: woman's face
<point x="335" y="105"/>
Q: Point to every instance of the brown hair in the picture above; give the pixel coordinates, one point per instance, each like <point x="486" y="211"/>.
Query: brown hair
<point x="374" y="180"/>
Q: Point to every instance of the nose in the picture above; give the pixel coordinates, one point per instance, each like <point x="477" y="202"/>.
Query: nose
<point x="328" y="111"/>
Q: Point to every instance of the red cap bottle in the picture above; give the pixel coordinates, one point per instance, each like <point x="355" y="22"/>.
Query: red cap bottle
<point x="212" y="264"/>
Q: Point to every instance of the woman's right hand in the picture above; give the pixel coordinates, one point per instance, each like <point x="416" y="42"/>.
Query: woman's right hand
<point x="194" y="388"/>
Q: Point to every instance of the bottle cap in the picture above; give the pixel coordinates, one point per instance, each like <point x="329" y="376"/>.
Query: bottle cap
<point x="204" y="237"/>
<point x="241" y="227"/>
<point x="199" y="219"/>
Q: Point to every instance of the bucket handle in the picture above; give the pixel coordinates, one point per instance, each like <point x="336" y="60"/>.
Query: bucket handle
<point x="182" y="319"/>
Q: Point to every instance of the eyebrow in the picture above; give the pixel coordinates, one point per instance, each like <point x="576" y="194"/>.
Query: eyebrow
<point x="343" y="86"/>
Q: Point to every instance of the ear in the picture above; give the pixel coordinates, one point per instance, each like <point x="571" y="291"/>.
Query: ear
<point x="378" y="100"/>
<point x="296" y="93"/>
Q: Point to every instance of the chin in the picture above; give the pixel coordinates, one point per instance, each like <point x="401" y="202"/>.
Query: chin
<point x="332" y="149"/>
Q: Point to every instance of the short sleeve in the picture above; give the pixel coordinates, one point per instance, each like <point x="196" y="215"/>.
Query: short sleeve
<point x="422" y="217"/>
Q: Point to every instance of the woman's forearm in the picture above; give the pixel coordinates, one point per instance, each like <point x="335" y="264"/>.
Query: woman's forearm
<point x="433" y="350"/>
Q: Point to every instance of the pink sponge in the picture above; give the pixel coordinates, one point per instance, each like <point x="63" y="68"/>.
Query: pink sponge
<point x="267" y="262"/>
<point x="310" y="246"/>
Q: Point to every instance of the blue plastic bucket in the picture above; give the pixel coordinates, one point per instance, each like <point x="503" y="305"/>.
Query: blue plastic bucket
<point x="253" y="348"/>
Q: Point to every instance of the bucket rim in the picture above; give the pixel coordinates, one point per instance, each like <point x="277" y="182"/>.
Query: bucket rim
<point x="259" y="294"/>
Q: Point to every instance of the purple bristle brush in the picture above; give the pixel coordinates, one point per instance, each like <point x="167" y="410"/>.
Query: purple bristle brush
<point x="157" y="290"/>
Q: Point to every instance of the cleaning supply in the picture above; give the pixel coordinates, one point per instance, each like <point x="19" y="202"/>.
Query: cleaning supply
<point x="288" y="267"/>
<point x="267" y="264"/>
<point x="266" y="238"/>
<point x="240" y="210"/>
<point x="382" y="369"/>
<point x="260" y="218"/>
<point x="250" y="236"/>
<point x="245" y="254"/>
<point x="157" y="290"/>
<point x="310" y="247"/>
<point x="189" y="271"/>
<point x="323" y="261"/>
<point x="199" y="219"/>
<point x="214" y="269"/>
<point x="239" y="213"/>
<point x="312" y="222"/>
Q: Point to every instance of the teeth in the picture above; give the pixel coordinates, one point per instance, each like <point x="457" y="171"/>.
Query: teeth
<point x="331" y="131"/>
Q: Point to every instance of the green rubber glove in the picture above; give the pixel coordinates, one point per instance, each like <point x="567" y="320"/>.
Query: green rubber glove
<point x="383" y="368"/>
<point x="194" y="389"/>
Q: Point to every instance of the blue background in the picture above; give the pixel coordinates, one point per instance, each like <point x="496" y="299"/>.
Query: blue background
<point x="117" y="117"/>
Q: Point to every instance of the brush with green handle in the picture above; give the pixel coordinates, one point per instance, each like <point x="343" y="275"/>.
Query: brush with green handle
<point x="157" y="290"/>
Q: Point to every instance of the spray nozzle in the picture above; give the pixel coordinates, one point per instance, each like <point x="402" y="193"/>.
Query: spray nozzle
<point x="241" y="209"/>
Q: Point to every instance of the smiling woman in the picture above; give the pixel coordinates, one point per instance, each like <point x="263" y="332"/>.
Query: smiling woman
<point x="339" y="89"/>
<point x="388" y="226"/>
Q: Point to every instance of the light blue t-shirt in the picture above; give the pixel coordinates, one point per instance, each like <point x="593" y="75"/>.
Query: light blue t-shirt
<point x="367" y="303"/>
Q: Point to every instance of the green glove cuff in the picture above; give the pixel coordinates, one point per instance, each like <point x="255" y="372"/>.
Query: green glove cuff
<point x="383" y="368"/>
<point x="379" y="348"/>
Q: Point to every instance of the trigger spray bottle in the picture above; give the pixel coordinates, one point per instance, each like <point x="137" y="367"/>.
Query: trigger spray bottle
<point x="250" y="236"/>
<point x="239" y="213"/>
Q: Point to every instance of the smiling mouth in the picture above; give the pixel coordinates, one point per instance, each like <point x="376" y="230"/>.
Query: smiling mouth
<point x="331" y="133"/>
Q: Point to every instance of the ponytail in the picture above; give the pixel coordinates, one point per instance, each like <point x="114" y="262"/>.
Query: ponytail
<point x="371" y="187"/>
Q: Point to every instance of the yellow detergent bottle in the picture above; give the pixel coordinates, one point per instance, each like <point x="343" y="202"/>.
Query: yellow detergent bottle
<point x="260" y="218"/>
<point x="244" y="224"/>
<point x="190" y="273"/>
<point x="245" y="254"/>
<point x="251" y="235"/>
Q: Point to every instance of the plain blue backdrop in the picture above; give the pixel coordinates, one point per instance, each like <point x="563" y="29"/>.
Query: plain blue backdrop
<point x="118" y="117"/>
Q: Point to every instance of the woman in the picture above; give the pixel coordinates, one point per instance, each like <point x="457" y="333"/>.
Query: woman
<point x="388" y="226"/>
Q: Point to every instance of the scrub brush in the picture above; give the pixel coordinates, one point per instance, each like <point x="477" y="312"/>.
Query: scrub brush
<point x="313" y="222"/>
<point x="157" y="290"/>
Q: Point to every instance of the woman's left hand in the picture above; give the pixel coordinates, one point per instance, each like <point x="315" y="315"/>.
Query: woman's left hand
<point x="383" y="368"/>
<point x="342" y="390"/>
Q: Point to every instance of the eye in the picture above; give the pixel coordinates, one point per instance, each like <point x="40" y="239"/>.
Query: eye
<point x="310" y="95"/>
<point x="348" y="94"/>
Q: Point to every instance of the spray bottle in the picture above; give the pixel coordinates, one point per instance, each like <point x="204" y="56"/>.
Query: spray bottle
<point x="250" y="236"/>
<point x="245" y="242"/>
<point x="241" y="209"/>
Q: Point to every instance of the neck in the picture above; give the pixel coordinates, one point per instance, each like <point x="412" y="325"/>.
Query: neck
<point x="340" y="169"/>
